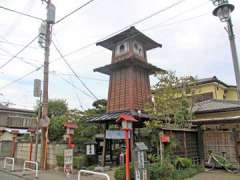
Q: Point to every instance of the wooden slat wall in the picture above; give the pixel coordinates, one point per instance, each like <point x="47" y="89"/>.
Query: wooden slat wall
<point x="186" y="144"/>
<point x="220" y="142"/>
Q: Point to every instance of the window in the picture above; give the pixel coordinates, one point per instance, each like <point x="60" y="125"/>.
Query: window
<point x="122" y="48"/>
<point x="137" y="48"/>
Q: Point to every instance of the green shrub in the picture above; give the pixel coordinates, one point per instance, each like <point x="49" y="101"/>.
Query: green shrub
<point x="60" y="160"/>
<point x="161" y="171"/>
<point x="164" y="171"/>
<point x="120" y="173"/>
<point x="183" y="163"/>
<point x="79" y="161"/>
<point x="186" y="173"/>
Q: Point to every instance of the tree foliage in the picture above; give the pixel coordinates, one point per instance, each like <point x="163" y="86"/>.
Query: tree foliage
<point x="57" y="107"/>
<point x="59" y="114"/>
<point x="171" y="106"/>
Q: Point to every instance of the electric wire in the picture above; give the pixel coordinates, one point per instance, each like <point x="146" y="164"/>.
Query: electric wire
<point x="19" y="58"/>
<point x="21" y="78"/>
<point x="73" y="52"/>
<point x="176" y="22"/>
<point x="82" y="77"/>
<point x="16" y="44"/>
<point x="74" y="11"/>
<point x="12" y="58"/>
<point x="21" y="13"/>
<point x="124" y="28"/>
<point x="74" y="86"/>
<point x="192" y="18"/>
<point x="73" y="71"/>
<point x="144" y="19"/>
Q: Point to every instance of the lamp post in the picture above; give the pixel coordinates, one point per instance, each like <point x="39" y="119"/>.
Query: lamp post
<point x="127" y="125"/>
<point x="223" y="11"/>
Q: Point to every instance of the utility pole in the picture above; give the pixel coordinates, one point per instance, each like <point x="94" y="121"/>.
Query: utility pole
<point x="44" y="122"/>
<point x="37" y="92"/>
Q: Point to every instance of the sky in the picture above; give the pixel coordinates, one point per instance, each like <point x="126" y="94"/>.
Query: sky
<point x="194" y="43"/>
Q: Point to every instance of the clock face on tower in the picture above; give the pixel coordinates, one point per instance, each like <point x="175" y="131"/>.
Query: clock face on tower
<point x="122" y="48"/>
<point x="138" y="49"/>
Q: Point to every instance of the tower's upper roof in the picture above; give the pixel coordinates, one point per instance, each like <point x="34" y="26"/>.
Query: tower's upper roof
<point x="131" y="33"/>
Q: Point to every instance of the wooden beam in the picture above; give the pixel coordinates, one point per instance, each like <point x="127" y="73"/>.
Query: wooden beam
<point x="104" y="146"/>
<point x="185" y="144"/>
<point x="200" y="145"/>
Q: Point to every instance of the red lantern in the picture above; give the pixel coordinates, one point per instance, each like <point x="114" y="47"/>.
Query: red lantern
<point x="164" y="139"/>
<point x="70" y="126"/>
<point x="72" y="146"/>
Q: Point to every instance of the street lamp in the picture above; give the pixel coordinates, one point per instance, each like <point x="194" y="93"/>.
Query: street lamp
<point x="223" y="11"/>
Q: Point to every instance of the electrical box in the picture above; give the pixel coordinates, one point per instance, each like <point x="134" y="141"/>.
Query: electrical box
<point x="51" y="10"/>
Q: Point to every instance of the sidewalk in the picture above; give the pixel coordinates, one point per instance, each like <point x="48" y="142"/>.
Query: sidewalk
<point x="50" y="174"/>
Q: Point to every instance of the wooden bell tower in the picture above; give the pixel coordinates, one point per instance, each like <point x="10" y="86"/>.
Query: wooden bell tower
<point x="129" y="86"/>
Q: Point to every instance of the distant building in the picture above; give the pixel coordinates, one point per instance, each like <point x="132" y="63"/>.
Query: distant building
<point x="16" y="118"/>
<point x="214" y="98"/>
<point x="213" y="88"/>
<point x="217" y="117"/>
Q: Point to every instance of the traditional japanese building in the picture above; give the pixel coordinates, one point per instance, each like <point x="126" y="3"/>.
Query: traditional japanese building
<point x="129" y="71"/>
<point x="129" y="86"/>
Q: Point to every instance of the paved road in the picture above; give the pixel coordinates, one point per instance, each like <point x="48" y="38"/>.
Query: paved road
<point x="216" y="175"/>
<point x="49" y="175"/>
<point x="5" y="176"/>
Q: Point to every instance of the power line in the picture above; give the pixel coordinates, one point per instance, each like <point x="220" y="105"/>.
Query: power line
<point x="77" y="50"/>
<point x="184" y="20"/>
<point x="82" y="77"/>
<point x="16" y="44"/>
<point x="145" y="18"/>
<point x="135" y="23"/>
<point x="70" y="67"/>
<point x="176" y="22"/>
<point x="19" y="79"/>
<point x="20" y="58"/>
<point x="74" y="11"/>
<point x="74" y="86"/>
<point x="21" y="13"/>
<point x="12" y="58"/>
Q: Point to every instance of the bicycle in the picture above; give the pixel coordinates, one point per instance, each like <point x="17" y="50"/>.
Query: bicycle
<point x="215" y="159"/>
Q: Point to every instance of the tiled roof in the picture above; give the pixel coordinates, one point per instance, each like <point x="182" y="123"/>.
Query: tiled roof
<point x="132" y="32"/>
<point x="231" y="119"/>
<point x="210" y="80"/>
<point x="6" y="108"/>
<point x="108" y="69"/>
<point x="113" y="116"/>
<point x="215" y="106"/>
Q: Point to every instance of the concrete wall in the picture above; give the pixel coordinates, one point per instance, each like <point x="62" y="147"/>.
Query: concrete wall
<point x="23" y="149"/>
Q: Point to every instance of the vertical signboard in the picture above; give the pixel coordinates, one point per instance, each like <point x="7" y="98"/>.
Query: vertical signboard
<point x="68" y="161"/>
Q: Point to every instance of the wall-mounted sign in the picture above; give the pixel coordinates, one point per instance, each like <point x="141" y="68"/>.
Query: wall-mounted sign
<point x="90" y="149"/>
<point x="164" y="138"/>
<point x="116" y="134"/>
